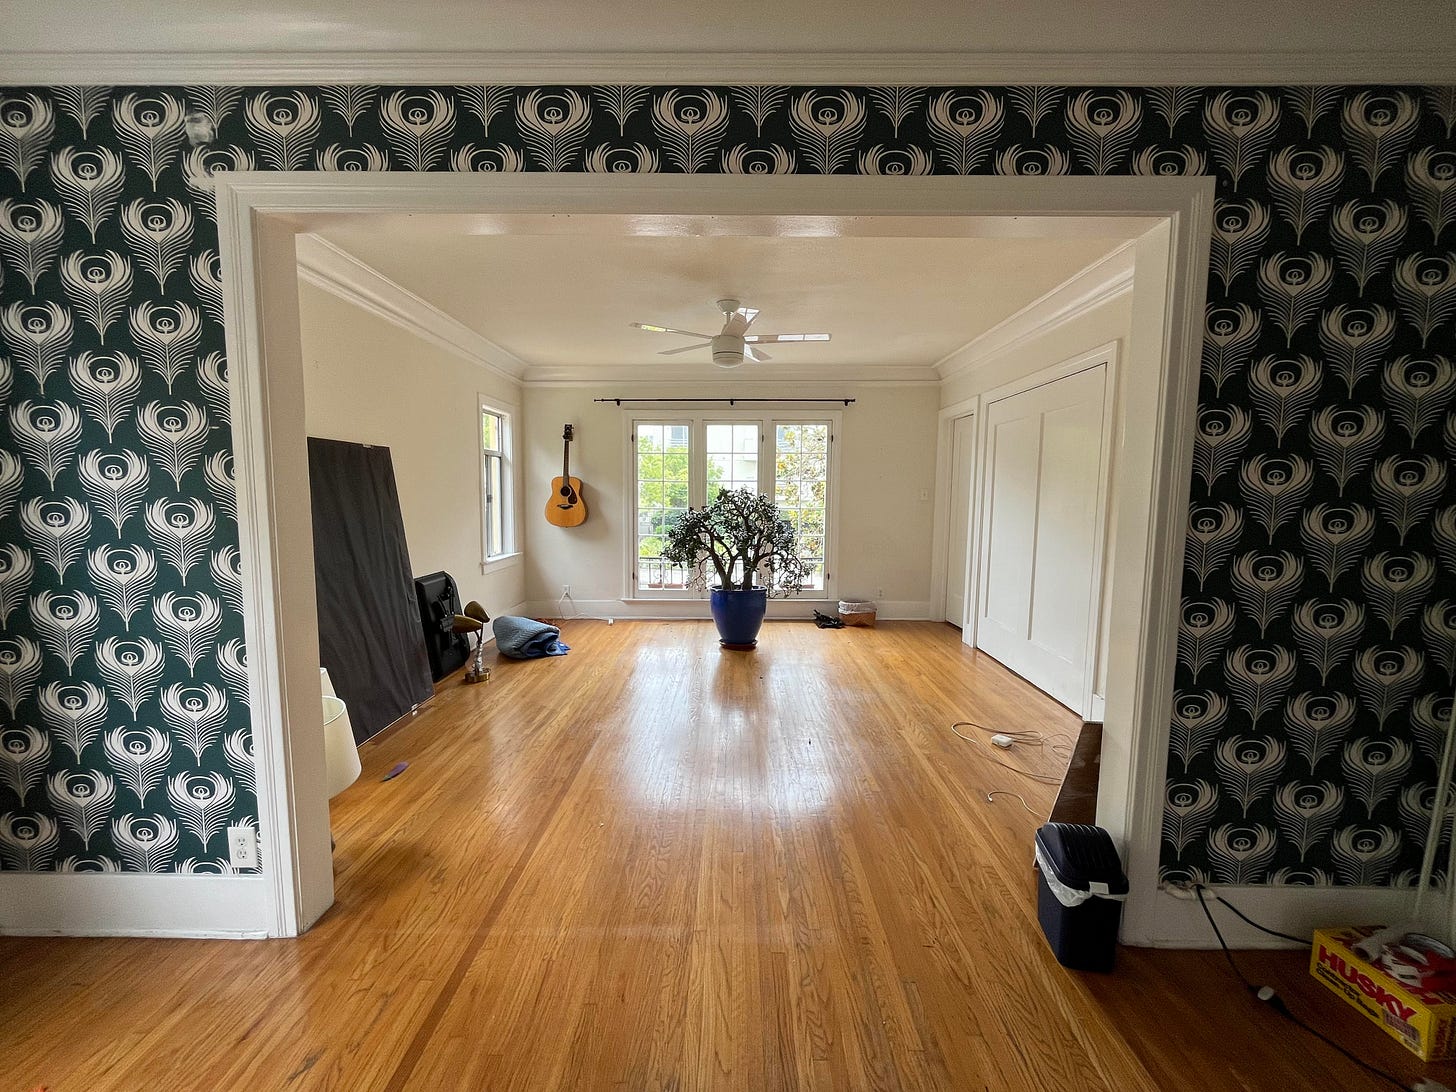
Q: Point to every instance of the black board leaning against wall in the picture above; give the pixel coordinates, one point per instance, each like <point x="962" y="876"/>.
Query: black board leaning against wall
<point x="369" y="625"/>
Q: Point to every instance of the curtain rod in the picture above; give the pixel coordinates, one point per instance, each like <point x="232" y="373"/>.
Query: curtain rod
<point x="730" y="401"/>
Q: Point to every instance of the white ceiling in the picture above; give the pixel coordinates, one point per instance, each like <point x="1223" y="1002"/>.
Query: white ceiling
<point x="565" y="300"/>
<point x="785" y="26"/>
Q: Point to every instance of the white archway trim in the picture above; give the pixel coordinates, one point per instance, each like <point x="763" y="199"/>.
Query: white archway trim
<point x="259" y="216"/>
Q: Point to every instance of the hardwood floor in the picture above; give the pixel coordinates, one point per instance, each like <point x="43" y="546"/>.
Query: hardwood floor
<point x="655" y="865"/>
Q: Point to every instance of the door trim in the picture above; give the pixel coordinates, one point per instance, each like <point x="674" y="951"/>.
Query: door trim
<point x="941" y="555"/>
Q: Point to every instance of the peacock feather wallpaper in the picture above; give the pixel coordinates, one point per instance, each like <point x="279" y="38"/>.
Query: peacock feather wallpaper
<point x="1317" y="648"/>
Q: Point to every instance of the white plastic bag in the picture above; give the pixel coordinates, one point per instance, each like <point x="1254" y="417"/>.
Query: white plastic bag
<point x="1069" y="896"/>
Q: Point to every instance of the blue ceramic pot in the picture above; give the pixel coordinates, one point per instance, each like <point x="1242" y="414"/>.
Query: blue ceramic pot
<point x="738" y="615"/>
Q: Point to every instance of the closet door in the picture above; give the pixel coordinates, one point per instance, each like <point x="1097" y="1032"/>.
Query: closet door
<point x="1041" y="523"/>
<point x="369" y="622"/>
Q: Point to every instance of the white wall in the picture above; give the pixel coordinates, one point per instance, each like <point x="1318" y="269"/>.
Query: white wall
<point x="886" y="450"/>
<point x="369" y="381"/>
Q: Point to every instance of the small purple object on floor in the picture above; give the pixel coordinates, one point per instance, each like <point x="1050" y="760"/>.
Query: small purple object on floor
<point x="399" y="768"/>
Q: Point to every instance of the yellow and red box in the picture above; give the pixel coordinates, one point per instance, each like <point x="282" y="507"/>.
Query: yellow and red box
<point x="1423" y="1021"/>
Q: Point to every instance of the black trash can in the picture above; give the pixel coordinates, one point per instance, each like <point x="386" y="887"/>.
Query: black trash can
<point x="1080" y="888"/>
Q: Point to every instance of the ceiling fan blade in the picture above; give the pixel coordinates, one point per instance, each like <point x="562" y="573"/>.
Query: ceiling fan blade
<point x="651" y="329"/>
<point x="772" y="339"/>
<point x="736" y="322"/>
<point x="685" y="349"/>
<point x="758" y="356"/>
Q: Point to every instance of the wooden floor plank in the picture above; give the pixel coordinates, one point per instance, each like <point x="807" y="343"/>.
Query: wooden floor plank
<point x="655" y="865"/>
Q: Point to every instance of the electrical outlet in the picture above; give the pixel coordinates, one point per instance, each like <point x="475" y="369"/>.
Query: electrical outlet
<point x="242" y="847"/>
<point x="565" y="590"/>
<point x="879" y="593"/>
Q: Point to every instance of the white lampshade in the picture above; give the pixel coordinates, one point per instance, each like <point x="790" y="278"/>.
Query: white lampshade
<point x="341" y="756"/>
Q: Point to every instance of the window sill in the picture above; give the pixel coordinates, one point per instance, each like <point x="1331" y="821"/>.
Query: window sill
<point x="504" y="561"/>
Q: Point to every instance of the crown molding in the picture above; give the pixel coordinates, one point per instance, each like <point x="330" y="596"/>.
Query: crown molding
<point x="1416" y="66"/>
<point x="333" y="269"/>
<point x="326" y="266"/>
<point x="1084" y="291"/>
<point x="621" y="375"/>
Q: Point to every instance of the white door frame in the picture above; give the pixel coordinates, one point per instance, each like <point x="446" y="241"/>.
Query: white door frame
<point x="1102" y="356"/>
<point x="941" y="574"/>
<point x="259" y="215"/>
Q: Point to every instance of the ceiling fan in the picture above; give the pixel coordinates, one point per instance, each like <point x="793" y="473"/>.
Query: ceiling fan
<point x="731" y="344"/>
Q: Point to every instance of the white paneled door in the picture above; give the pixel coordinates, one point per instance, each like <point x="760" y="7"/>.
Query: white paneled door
<point x="1041" y="532"/>
<point x="962" y="470"/>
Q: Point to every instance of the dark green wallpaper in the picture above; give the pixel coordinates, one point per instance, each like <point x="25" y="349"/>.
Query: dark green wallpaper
<point x="1318" y="638"/>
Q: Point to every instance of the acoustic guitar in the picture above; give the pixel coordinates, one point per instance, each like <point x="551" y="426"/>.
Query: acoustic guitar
<point x="566" y="508"/>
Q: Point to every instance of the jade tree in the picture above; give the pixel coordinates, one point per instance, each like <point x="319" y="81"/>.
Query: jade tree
<point x="740" y="538"/>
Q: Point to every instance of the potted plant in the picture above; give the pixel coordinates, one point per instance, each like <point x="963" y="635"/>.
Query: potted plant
<point x="733" y="543"/>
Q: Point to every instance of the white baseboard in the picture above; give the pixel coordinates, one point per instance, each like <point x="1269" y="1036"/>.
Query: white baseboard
<point x="799" y="609"/>
<point x="1176" y="922"/>
<point x="45" y="904"/>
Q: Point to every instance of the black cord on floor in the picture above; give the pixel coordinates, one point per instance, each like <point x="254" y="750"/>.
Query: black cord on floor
<point x="1228" y="955"/>
<point x="1267" y="995"/>
<point x="1250" y="921"/>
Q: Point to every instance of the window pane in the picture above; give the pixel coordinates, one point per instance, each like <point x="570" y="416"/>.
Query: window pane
<point x="732" y="457"/>
<point x="495" y="487"/>
<point x="801" y="486"/>
<point x="662" y="493"/>
<point x="495" y="523"/>
<point x="649" y="438"/>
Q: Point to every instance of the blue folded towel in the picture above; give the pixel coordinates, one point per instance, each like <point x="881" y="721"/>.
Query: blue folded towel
<point x="526" y="638"/>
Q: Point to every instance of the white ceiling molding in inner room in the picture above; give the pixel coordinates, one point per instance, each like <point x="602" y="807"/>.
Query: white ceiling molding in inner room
<point x="640" y="41"/>
<point x="325" y="266"/>
<point x="555" y="304"/>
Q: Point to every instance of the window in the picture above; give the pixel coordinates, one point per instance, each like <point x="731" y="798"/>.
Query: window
<point x="686" y="459"/>
<point x="497" y="494"/>
<point x="801" y="488"/>
<point x="663" y="490"/>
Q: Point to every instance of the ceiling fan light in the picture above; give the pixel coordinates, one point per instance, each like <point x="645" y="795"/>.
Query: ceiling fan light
<point x="727" y="351"/>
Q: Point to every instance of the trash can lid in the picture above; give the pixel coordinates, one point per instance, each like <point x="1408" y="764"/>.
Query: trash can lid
<point x="1083" y="856"/>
